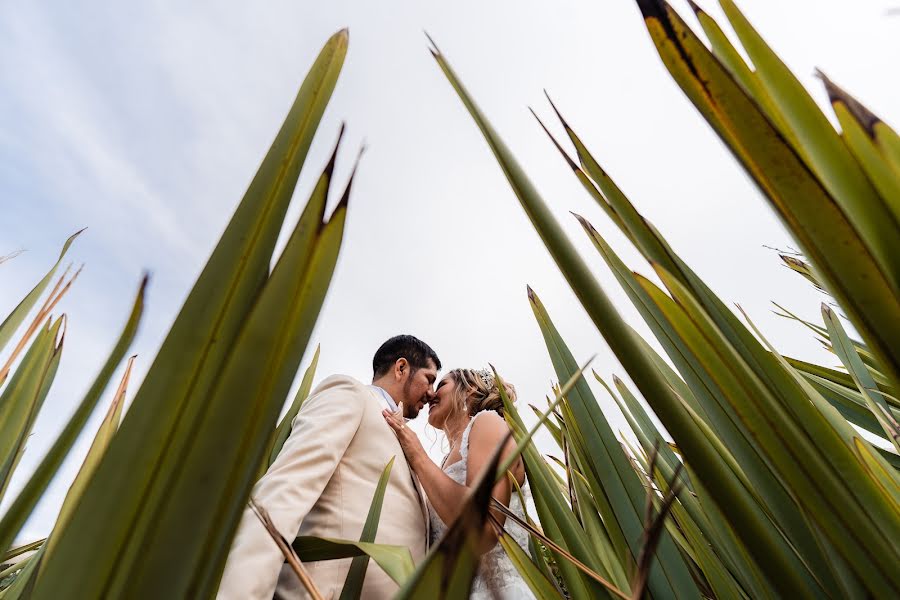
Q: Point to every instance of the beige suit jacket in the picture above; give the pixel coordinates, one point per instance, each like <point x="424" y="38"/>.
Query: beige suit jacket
<point x="322" y="484"/>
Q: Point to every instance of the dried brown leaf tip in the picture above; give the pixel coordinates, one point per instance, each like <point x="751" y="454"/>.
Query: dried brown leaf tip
<point x="289" y="555"/>
<point x="866" y="118"/>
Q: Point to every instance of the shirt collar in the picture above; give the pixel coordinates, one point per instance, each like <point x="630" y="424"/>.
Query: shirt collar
<point x="387" y="397"/>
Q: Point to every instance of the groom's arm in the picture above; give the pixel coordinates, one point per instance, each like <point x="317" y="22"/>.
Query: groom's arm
<point x="320" y="434"/>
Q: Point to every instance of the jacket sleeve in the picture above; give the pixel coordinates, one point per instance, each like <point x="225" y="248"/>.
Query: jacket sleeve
<point x="320" y="434"/>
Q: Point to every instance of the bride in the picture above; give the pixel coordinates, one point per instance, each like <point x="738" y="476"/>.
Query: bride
<point x="468" y="408"/>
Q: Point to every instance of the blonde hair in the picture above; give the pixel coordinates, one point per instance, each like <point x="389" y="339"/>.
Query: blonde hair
<point x="481" y="395"/>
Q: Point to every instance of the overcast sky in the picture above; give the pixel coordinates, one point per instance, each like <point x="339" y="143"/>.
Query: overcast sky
<point x="146" y="122"/>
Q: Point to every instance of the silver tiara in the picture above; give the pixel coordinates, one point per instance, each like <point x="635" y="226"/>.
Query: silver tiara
<point x="487" y="376"/>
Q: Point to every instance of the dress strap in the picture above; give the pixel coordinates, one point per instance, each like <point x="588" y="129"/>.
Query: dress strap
<point x="464" y="444"/>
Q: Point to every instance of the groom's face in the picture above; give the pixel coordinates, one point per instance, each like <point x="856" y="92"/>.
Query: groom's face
<point x="418" y="389"/>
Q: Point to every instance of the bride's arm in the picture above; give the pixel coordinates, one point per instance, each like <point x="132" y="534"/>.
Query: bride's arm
<point x="487" y="433"/>
<point x="446" y="496"/>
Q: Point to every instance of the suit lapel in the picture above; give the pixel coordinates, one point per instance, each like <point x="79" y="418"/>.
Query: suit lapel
<point x="423" y="501"/>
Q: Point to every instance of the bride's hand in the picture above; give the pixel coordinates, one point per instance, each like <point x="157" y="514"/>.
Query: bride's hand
<point x="408" y="439"/>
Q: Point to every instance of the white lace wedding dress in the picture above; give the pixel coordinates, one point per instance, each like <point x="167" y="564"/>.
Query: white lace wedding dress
<point x="497" y="577"/>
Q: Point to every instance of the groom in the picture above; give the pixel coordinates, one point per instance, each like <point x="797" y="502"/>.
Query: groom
<point x="323" y="481"/>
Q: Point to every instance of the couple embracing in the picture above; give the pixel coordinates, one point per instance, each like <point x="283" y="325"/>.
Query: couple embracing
<point x="322" y="482"/>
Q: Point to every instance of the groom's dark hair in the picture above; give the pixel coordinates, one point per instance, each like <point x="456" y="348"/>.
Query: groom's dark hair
<point x="415" y="351"/>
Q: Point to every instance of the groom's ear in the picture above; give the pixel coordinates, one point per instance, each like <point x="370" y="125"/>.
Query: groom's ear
<point x="401" y="367"/>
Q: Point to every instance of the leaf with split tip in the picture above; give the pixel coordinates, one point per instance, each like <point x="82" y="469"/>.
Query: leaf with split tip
<point x="18" y="314"/>
<point x="842" y="258"/>
<point x="59" y="290"/>
<point x="825" y="151"/>
<point x="731" y="59"/>
<point x="10" y="256"/>
<point x="28" y="497"/>
<point x="139" y="475"/>
<point x="211" y="480"/>
<point x="805" y="269"/>
<point x="857" y="124"/>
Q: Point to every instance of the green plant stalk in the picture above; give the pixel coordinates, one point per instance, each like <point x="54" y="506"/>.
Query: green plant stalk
<point x="621" y="341"/>
<point x="21" y="507"/>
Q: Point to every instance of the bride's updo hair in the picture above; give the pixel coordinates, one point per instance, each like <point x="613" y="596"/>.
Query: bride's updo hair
<point x="479" y="390"/>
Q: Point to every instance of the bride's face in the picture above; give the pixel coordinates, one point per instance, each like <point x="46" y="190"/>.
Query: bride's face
<point x="440" y="406"/>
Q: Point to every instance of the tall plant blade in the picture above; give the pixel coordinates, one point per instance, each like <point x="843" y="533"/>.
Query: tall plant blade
<point x="605" y="458"/>
<point x="731" y="59"/>
<point x="827" y="154"/>
<point x="23" y="397"/>
<point x="162" y="450"/>
<point x="293" y="296"/>
<point x="450" y="567"/>
<point x="708" y="399"/>
<point x="357" y="574"/>
<point x="284" y="427"/>
<point x="102" y="439"/>
<point x="822" y="486"/>
<point x="849" y="402"/>
<point x="558" y="521"/>
<point x="840" y="255"/>
<point x="551" y="500"/>
<point x="252" y="387"/>
<point x="608" y="586"/>
<point x="858" y="125"/>
<point x="24" y="582"/>
<point x="24" y="503"/>
<point x="396" y="561"/>
<point x="708" y="463"/>
<point x="540" y="586"/>
<point x="861" y="376"/>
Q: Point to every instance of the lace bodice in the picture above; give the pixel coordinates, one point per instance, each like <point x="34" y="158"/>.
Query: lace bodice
<point x="497" y="577"/>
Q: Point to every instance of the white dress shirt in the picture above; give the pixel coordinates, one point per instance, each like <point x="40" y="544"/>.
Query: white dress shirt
<point x="391" y="405"/>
